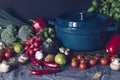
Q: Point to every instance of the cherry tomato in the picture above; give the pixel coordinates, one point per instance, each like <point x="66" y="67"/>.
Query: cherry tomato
<point x="83" y="61"/>
<point x="83" y="66"/>
<point x="88" y="57"/>
<point x="74" y="64"/>
<point x="97" y="58"/>
<point x="10" y="50"/>
<point x="104" y="61"/>
<point x="92" y="62"/>
<point x="7" y="54"/>
<point x="107" y="57"/>
<point x="74" y="59"/>
<point x="2" y="51"/>
<point x="112" y="58"/>
<point x="79" y="56"/>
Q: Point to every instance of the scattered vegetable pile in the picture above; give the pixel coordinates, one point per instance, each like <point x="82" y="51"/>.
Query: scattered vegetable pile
<point x="39" y="45"/>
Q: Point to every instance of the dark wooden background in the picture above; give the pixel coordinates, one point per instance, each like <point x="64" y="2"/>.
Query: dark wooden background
<point x="46" y="9"/>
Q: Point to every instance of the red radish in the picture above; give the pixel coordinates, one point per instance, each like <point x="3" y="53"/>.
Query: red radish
<point x="27" y="53"/>
<point x="39" y="39"/>
<point x="36" y="44"/>
<point x="26" y="47"/>
<point x="31" y="41"/>
<point x="35" y="49"/>
<point x="31" y="47"/>
<point x="31" y="52"/>
<point x="113" y="44"/>
<point x="27" y="42"/>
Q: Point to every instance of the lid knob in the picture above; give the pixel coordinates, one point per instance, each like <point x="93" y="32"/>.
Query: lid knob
<point x="81" y="16"/>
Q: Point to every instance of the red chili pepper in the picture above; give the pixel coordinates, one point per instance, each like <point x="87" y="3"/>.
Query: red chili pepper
<point x="41" y="72"/>
<point x="113" y="44"/>
<point x="50" y="64"/>
<point x="34" y="61"/>
<point x="38" y="25"/>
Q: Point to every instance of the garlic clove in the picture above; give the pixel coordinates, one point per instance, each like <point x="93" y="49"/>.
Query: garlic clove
<point x="61" y="49"/>
<point x="66" y="52"/>
<point x="39" y="55"/>
<point x="67" y="49"/>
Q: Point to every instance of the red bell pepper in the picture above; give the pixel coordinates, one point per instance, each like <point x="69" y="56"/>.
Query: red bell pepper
<point x="113" y="44"/>
<point x="38" y="25"/>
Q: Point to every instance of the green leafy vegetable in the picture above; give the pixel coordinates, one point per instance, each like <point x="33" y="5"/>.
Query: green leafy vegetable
<point x="9" y="35"/>
<point x="110" y="8"/>
<point x="47" y="33"/>
<point x="25" y="32"/>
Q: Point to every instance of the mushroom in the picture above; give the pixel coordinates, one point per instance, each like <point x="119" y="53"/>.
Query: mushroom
<point x="115" y="65"/>
<point x="4" y="67"/>
<point x="22" y="58"/>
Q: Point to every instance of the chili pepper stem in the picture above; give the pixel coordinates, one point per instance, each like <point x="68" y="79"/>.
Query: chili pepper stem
<point x="32" y="20"/>
<point x="40" y="67"/>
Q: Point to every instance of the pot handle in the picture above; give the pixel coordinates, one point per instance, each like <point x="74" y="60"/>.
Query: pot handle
<point x="51" y="22"/>
<point x="111" y="28"/>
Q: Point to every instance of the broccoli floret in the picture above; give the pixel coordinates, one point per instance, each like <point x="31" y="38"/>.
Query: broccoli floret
<point x="9" y="35"/>
<point x="25" y="32"/>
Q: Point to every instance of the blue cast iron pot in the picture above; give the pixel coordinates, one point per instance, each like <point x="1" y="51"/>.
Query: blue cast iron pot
<point x="82" y="32"/>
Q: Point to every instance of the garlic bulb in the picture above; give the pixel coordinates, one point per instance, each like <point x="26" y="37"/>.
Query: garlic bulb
<point x="39" y="55"/>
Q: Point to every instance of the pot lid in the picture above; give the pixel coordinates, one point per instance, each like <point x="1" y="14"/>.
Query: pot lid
<point x="82" y="20"/>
